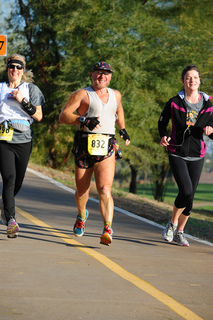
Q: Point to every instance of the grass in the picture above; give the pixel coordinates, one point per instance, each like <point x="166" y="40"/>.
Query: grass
<point x="203" y="199"/>
<point x="200" y="223"/>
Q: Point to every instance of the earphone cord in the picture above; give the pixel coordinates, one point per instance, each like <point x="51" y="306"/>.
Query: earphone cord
<point x="179" y="145"/>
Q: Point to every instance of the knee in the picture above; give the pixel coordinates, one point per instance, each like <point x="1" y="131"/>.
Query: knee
<point x="186" y="212"/>
<point x="105" y="191"/>
<point x="81" y="193"/>
<point x="187" y="196"/>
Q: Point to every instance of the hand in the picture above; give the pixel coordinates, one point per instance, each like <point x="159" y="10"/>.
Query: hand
<point x="125" y="136"/>
<point x="208" y="130"/>
<point x="165" y="141"/>
<point x="18" y="95"/>
<point x="91" y="122"/>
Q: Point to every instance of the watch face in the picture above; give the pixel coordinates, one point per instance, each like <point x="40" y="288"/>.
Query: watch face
<point x="82" y="119"/>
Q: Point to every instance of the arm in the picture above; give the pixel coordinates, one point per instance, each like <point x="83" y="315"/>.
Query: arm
<point x="121" y="120"/>
<point x="162" y="124"/>
<point x="38" y="115"/>
<point x="164" y="120"/>
<point x="34" y="111"/>
<point x="78" y="101"/>
<point x="209" y="131"/>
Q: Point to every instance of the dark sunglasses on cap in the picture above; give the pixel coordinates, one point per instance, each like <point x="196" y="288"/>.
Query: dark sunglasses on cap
<point x="13" y="66"/>
<point x="103" y="72"/>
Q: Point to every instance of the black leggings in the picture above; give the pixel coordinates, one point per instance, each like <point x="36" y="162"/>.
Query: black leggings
<point x="187" y="175"/>
<point x="14" y="159"/>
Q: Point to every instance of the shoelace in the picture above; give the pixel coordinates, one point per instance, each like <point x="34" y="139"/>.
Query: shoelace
<point x="80" y="224"/>
<point x="180" y="234"/>
<point x="108" y="230"/>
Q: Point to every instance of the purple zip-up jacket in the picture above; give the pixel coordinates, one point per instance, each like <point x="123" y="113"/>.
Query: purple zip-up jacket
<point x="186" y="141"/>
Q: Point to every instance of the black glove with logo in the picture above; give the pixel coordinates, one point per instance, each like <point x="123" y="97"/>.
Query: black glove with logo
<point x="91" y="122"/>
<point x="28" y="107"/>
<point x="125" y="135"/>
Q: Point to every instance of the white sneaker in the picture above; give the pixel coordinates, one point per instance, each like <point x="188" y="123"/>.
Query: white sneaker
<point x="168" y="232"/>
<point x="180" y="239"/>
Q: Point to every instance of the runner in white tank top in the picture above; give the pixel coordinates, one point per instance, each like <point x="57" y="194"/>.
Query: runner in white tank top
<point x="95" y="110"/>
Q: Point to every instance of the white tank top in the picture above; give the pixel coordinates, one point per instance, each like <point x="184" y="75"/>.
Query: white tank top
<point x="106" y="111"/>
<point x="10" y="108"/>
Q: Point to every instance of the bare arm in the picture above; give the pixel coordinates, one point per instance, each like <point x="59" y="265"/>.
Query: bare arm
<point x="38" y="115"/>
<point x="76" y="101"/>
<point x="120" y="113"/>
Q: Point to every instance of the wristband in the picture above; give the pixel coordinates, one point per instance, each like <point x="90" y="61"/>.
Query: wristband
<point x="125" y="135"/>
<point x="28" y="107"/>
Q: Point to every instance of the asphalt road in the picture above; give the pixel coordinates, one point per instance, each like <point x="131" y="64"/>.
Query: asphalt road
<point x="48" y="274"/>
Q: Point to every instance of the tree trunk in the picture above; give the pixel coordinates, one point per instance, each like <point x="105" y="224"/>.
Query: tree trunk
<point x="159" y="181"/>
<point x="133" y="183"/>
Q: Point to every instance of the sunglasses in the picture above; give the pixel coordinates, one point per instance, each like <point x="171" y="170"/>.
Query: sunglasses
<point x="103" y="72"/>
<point x="13" y="66"/>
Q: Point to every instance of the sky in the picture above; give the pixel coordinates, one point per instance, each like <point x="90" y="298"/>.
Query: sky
<point x="5" y="9"/>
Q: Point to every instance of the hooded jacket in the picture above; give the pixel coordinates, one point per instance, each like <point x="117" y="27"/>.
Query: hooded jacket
<point x="186" y="141"/>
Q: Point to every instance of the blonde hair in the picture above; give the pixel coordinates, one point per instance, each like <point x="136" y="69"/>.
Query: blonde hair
<point x="27" y="75"/>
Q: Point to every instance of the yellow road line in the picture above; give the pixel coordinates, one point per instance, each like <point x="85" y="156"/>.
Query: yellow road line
<point x="184" y="312"/>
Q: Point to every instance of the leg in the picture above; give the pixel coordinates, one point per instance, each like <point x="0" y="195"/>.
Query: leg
<point x="194" y="169"/>
<point x="187" y="175"/>
<point x="8" y="173"/>
<point x="182" y="222"/>
<point x="104" y="174"/>
<point x="181" y="174"/>
<point x="13" y="167"/>
<point x="192" y="177"/>
<point x="22" y="154"/>
<point x="176" y="213"/>
<point x="83" y="179"/>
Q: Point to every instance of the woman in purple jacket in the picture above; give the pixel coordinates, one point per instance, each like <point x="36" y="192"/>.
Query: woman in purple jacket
<point x="191" y="113"/>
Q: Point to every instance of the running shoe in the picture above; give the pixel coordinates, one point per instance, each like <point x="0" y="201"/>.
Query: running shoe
<point x="2" y="214"/>
<point x="80" y="225"/>
<point x="168" y="232"/>
<point x="106" y="237"/>
<point x="13" y="228"/>
<point x="180" y="239"/>
<point x="14" y="235"/>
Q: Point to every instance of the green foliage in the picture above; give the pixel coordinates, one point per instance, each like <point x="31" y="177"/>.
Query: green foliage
<point x="148" y="43"/>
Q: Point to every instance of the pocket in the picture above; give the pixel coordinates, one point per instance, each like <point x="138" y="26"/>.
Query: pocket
<point x="19" y="125"/>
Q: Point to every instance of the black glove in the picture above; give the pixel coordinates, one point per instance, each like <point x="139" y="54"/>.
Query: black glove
<point x="91" y="122"/>
<point x="28" y="107"/>
<point x="125" y="135"/>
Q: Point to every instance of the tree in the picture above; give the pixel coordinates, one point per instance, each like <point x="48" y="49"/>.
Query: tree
<point x="147" y="42"/>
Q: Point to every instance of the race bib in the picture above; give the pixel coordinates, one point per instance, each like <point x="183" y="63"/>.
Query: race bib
<point x="98" y="144"/>
<point x="6" y="134"/>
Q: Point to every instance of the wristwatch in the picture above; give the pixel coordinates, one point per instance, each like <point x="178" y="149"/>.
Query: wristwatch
<point x="82" y="119"/>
